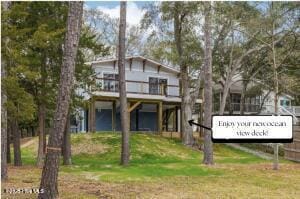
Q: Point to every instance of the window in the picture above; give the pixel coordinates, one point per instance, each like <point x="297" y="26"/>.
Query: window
<point x="235" y="98"/>
<point x="158" y="86"/>
<point x="111" y="82"/>
<point x="281" y="102"/>
<point x="257" y="100"/>
<point x="253" y="100"/>
<point x="285" y="102"/>
<point x="153" y="85"/>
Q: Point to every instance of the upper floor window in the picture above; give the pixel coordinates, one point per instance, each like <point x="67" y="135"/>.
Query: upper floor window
<point x="253" y="100"/>
<point x="285" y="103"/>
<point x="110" y="82"/>
<point x="235" y="98"/>
<point x="158" y="86"/>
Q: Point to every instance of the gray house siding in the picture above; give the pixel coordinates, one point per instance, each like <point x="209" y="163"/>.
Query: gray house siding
<point x="136" y="73"/>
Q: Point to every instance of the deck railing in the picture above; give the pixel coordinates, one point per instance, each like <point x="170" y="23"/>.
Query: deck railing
<point x="295" y="110"/>
<point x="270" y="109"/>
<point x="236" y="107"/>
<point x="137" y="87"/>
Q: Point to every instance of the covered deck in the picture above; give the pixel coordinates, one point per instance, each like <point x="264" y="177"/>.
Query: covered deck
<point x="145" y="115"/>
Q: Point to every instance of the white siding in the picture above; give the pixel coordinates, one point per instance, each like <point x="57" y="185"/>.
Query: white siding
<point x="136" y="74"/>
<point x="270" y="99"/>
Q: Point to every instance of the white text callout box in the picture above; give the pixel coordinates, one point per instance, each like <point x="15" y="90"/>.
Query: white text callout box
<point x="275" y="129"/>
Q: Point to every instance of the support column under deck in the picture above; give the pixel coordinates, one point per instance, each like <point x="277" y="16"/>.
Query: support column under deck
<point x="113" y="119"/>
<point x="167" y="121"/>
<point x="179" y="121"/>
<point x="159" y="117"/>
<point x="128" y="114"/>
<point x="92" y="115"/>
<point x="176" y="119"/>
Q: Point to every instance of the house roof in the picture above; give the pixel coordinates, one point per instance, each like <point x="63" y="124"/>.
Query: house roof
<point x="157" y="64"/>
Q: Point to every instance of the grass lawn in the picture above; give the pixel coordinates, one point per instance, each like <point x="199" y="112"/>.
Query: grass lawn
<point x="159" y="168"/>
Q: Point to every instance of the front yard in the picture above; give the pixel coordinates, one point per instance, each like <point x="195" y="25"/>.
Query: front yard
<point x="160" y="168"/>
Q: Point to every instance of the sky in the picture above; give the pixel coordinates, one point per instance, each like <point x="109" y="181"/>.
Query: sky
<point x="112" y="8"/>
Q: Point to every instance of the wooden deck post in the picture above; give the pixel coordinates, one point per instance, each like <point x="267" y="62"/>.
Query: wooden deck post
<point x="176" y="118"/>
<point x="128" y="112"/>
<point x="167" y="121"/>
<point x="137" y="119"/>
<point x="180" y="122"/>
<point x="89" y="118"/>
<point x="92" y="115"/>
<point x="113" y="119"/>
<point x="159" y="118"/>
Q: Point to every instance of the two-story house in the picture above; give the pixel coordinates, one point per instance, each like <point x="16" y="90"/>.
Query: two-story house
<point x="153" y="95"/>
<point x="258" y="102"/>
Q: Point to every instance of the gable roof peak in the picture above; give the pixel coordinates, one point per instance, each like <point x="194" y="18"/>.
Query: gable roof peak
<point x="137" y="57"/>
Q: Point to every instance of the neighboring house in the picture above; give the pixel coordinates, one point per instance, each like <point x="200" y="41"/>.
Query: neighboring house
<point x="153" y="95"/>
<point x="260" y="103"/>
<point x="252" y="103"/>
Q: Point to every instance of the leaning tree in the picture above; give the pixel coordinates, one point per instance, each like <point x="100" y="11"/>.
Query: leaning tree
<point x="50" y="169"/>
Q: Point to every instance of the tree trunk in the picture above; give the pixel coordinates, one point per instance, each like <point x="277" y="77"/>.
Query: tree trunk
<point x="200" y="120"/>
<point x="4" y="142"/>
<point x="224" y="96"/>
<point x="66" y="145"/>
<point x="187" y="131"/>
<point x="8" y="156"/>
<point x="33" y="131"/>
<point x="42" y="135"/>
<point x="3" y="128"/>
<point x="21" y="132"/>
<point x="276" y="86"/>
<point x="42" y="115"/>
<point x="16" y="143"/>
<point x="229" y="102"/>
<point x="125" y="154"/>
<point x="208" y="146"/>
<point x="50" y="169"/>
<point x="242" y="102"/>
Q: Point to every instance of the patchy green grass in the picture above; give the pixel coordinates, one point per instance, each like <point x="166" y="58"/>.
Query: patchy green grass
<point x="160" y="168"/>
<point x="152" y="157"/>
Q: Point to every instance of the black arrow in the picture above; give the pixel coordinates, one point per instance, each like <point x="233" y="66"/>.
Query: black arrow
<point x="191" y="122"/>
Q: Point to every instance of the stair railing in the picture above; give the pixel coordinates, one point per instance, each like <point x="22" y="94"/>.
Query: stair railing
<point x="282" y="111"/>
